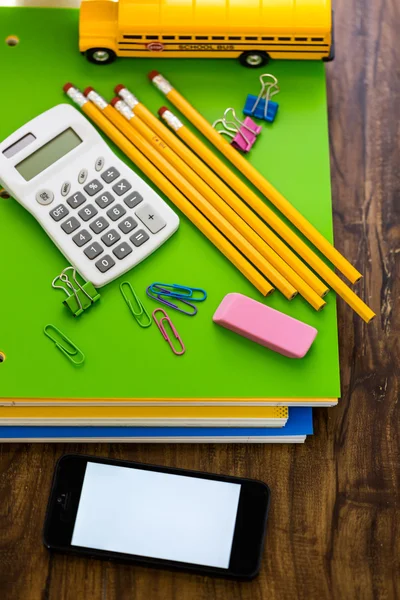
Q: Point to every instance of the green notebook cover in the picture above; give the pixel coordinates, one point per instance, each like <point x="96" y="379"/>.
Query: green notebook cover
<point x="123" y="360"/>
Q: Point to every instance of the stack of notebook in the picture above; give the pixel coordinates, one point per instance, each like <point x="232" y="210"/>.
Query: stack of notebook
<point x="131" y="387"/>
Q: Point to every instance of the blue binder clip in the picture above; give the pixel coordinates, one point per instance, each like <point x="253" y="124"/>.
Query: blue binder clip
<point x="261" y="106"/>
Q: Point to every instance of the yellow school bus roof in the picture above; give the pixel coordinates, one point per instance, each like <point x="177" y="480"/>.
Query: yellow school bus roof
<point x="225" y="16"/>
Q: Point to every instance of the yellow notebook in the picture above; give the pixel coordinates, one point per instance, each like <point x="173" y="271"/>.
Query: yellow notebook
<point x="146" y="416"/>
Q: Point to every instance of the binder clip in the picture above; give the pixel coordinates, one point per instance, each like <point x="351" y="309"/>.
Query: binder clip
<point x="80" y="297"/>
<point x="242" y="133"/>
<point x="261" y="106"/>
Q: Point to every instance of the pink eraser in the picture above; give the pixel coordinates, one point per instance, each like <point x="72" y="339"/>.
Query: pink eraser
<point x="265" y="326"/>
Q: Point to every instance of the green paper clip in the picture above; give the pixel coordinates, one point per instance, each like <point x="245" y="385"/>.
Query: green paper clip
<point x="142" y="310"/>
<point x="72" y="352"/>
<point x="79" y="297"/>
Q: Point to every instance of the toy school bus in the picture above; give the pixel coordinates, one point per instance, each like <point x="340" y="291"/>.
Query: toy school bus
<point x="251" y="30"/>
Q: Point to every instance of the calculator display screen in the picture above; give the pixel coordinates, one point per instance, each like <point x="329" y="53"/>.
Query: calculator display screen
<point x="48" y="154"/>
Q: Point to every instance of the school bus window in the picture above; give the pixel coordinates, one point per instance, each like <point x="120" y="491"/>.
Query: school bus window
<point x="317" y="39"/>
<point x="132" y="37"/>
<point x="201" y="37"/>
<point x="234" y="37"/>
<point x="284" y="39"/>
<point x="300" y="39"/>
<point x="151" y="37"/>
<point x="269" y="39"/>
<point x="185" y="37"/>
<point x="168" y="37"/>
<point x="217" y="37"/>
<point x="251" y="38"/>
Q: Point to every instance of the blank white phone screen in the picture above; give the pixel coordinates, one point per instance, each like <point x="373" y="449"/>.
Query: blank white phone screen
<point x="158" y="515"/>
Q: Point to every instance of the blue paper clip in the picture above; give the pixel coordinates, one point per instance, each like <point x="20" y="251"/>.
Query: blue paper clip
<point x="162" y="293"/>
<point x="184" y="293"/>
<point x="261" y="106"/>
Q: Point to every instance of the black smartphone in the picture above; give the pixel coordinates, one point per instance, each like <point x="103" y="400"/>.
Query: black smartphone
<point x="157" y="516"/>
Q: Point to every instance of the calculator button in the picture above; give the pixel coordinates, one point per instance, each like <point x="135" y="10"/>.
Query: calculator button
<point x="116" y="212"/>
<point x="133" y="199"/>
<point x="104" y="200"/>
<point x="44" y="197"/>
<point x="93" y="250"/>
<point x="99" y="164"/>
<point x="88" y="212"/>
<point x="99" y="225"/>
<point x="127" y="225"/>
<point x="110" y="238"/>
<point x="122" y="250"/>
<point x="110" y="175"/>
<point x="70" y="225"/>
<point x="76" y="200"/>
<point x="59" y="212"/>
<point x="105" y="263"/>
<point x="82" y="238"/>
<point x="82" y="176"/>
<point x="65" y="188"/>
<point x="122" y="187"/>
<point x="150" y="218"/>
<point x="139" y="238"/>
<point x="93" y="187"/>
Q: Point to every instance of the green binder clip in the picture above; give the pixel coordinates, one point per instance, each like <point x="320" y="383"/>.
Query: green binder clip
<point x="80" y="297"/>
<point x="141" y="316"/>
<point x="65" y="345"/>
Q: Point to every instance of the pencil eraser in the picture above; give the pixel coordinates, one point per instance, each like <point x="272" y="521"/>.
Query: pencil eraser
<point x="162" y="110"/>
<point x="153" y="74"/>
<point x="87" y="91"/>
<point x="67" y="87"/>
<point x="264" y="325"/>
<point x="118" y="88"/>
<point x="115" y="100"/>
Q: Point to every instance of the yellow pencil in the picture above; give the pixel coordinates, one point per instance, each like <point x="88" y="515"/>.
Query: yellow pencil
<point x="188" y="190"/>
<point x="285" y="272"/>
<point x="284" y="231"/>
<point x="224" y="191"/>
<point x="195" y="216"/>
<point x="287" y="209"/>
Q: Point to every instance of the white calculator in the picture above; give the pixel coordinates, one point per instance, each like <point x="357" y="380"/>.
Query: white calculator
<point x="101" y="215"/>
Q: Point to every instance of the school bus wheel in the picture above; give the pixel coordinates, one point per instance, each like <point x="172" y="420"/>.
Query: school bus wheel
<point x="254" y="59"/>
<point x="100" y="56"/>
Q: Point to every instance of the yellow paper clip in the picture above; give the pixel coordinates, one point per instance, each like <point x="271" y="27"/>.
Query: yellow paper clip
<point x="66" y="346"/>
<point x="142" y="310"/>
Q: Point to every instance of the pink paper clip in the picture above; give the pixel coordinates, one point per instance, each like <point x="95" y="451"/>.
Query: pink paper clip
<point x="161" y="327"/>
<point x="242" y="133"/>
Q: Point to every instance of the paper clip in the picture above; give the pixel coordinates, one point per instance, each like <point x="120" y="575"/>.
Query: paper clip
<point x="142" y="310"/>
<point x="162" y="293"/>
<point x="79" y="297"/>
<point x="161" y="327"/>
<point x="66" y="346"/>
<point x="179" y="291"/>
<point x="243" y="133"/>
<point x="261" y="106"/>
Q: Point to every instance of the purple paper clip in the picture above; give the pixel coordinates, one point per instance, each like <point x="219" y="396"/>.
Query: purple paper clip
<point x="161" y="327"/>
<point x="242" y="133"/>
<point x="160" y="297"/>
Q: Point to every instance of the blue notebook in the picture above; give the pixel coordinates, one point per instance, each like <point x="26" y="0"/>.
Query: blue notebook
<point x="298" y="426"/>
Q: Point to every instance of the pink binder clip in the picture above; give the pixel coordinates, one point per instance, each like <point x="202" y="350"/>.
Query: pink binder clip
<point x="242" y="133"/>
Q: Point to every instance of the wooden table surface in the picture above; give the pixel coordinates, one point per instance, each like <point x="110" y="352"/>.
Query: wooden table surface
<point x="334" y="527"/>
